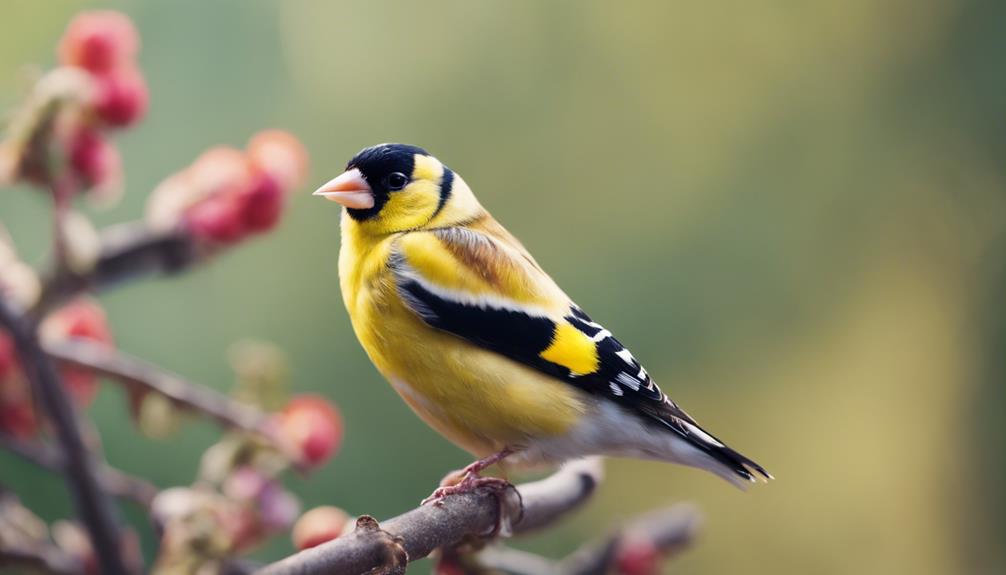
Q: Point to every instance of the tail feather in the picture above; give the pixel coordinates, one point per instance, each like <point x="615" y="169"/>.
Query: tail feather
<point x="739" y="464"/>
<point x="735" y="465"/>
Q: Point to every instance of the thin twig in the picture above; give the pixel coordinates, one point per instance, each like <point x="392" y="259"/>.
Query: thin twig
<point x="114" y="481"/>
<point x="97" y="511"/>
<point x="143" y="376"/>
<point x="24" y="540"/>
<point x="127" y="251"/>
<point x="429" y="527"/>
<point x="669" y="531"/>
<point x="48" y="560"/>
<point x="550" y="498"/>
<point x="62" y="190"/>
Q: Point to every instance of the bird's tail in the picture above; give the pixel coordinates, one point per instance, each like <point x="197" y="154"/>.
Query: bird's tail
<point x="727" y="463"/>
<point x="694" y="446"/>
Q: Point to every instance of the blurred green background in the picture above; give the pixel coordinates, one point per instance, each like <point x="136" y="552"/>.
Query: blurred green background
<point x="792" y="212"/>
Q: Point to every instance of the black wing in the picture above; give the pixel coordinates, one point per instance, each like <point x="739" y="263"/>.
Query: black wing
<point x="523" y="334"/>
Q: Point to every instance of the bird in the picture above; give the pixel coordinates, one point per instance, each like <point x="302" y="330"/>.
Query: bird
<point x="480" y="341"/>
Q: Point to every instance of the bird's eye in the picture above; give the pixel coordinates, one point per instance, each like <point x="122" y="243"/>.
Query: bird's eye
<point x="397" y="181"/>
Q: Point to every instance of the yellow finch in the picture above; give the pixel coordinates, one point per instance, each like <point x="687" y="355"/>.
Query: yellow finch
<point x="480" y="341"/>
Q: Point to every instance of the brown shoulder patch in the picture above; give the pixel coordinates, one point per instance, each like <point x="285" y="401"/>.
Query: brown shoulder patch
<point x="476" y="252"/>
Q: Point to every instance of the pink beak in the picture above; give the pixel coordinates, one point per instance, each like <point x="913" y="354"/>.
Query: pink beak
<point x="349" y="189"/>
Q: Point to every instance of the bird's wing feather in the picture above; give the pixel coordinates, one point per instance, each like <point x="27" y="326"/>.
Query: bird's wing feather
<point x="473" y="286"/>
<point x="485" y="288"/>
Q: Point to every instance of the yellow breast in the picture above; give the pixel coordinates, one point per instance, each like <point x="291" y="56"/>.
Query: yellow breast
<point x="476" y="398"/>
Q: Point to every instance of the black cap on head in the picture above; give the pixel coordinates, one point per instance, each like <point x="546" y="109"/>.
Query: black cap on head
<point x="377" y="163"/>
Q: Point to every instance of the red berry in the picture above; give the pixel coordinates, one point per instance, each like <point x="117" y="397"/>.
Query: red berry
<point x="122" y="96"/>
<point x="8" y="357"/>
<point x="637" y="556"/>
<point x="99" y="41"/>
<point x="319" y="525"/>
<point x="18" y="418"/>
<point x="313" y="427"/>
<point x="94" y="159"/>
<point x="262" y="204"/>
<point x="84" y="319"/>
<point x="81" y="383"/>
<point x="216" y="219"/>
<point x="448" y="567"/>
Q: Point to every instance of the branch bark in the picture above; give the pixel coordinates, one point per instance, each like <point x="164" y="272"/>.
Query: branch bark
<point x="668" y="531"/>
<point x="48" y="560"/>
<point x="128" y="251"/>
<point x="95" y="508"/>
<point x="24" y="541"/>
<point x="143" y="376"/>
<point x="420" y="531"/>
<point x="113" y="481"/>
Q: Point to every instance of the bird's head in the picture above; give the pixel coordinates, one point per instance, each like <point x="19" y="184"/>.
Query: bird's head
<point x="395" y="187"/>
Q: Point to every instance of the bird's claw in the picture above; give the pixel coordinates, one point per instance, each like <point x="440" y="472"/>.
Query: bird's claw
<point x="511" y="505"/>
<point x="470" y="482"/>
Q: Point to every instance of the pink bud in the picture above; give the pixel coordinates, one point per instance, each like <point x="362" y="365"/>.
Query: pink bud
<point x="277" y="507"/>
<point x="8" y="358"/>
<point x="313" y="427"/>
<point x="95" y="160"/>
<point x="637" y="555"/>
<point x="448" y="566"/>
<point x="319" y="525"/>
<point x="244" y="483"/>
<point x="84" y="319"/>
<point x="219" y="169"/>
<point x="217" y="220"/>
<point x="243" y="527"/>
<point x="17" y="417"/>
<point x="122" y="96"/>
<point x="99" y="41"/>
<point x="280" y="155"/>
<point x="262" y="204"/>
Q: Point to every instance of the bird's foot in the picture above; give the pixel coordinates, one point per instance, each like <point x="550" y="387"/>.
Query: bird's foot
<point x="470" y="481"/>
<point x="511" y="505"/>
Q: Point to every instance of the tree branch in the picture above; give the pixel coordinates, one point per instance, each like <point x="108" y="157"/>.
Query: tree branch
<point x="96" y="510"/>
<point x="549" y="499"/>
<point x="668" y="531"/>
<point x="48" y="560"/>
<point x="127" y="251"/>
<point x="113" y="481"/>
<point x="429" y="527"/>
<point x="145" y="377"/>
<point x="24" y="542"/>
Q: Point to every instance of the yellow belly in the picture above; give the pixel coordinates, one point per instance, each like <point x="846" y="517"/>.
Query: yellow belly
<point x="478" y="399"/>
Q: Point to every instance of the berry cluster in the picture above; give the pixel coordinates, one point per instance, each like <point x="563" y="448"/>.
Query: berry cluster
<point x="58" y="139"/>
<point x="227" y="195"/>
<point x="239" y="495"/>
<point x="81" y="319"/>
<point x="103" y="44"/>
